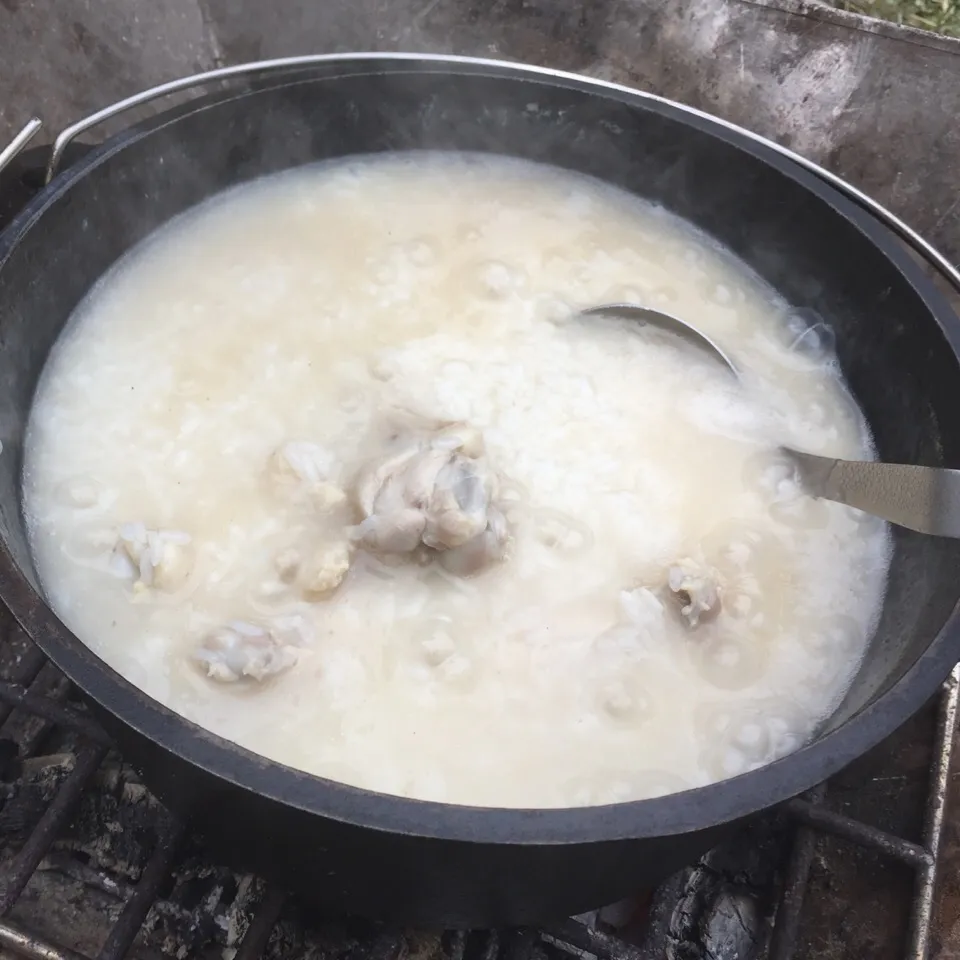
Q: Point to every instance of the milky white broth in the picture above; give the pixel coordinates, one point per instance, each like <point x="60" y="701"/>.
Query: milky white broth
<point x="302" y="307"/>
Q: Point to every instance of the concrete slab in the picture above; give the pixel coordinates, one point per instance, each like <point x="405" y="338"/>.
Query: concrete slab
<point x="62" y="59"/>
<point x="874" y="103"/>
<point x="869" y="100"/>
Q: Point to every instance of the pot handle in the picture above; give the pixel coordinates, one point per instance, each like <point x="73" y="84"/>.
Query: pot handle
<point x="256" y="68"/>
<point x="17" y="144"/>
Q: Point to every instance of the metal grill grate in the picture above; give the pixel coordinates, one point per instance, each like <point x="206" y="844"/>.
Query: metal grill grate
<point x="35" y="691"/>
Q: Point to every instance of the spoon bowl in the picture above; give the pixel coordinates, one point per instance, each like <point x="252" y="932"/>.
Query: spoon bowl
<point x="923" y="499"/>
<point x="664" y="321"/>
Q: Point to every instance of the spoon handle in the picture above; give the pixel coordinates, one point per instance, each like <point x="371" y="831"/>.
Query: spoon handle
<point x="925" y="499"/>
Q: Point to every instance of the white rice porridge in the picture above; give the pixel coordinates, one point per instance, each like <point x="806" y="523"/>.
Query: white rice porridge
<point x="329" y="467"/>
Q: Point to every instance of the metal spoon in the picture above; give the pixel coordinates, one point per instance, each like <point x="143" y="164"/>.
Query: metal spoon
<point x="924" y="499"/>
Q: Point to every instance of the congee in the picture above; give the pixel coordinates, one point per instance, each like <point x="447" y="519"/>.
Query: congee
<point x="330" y="466"/>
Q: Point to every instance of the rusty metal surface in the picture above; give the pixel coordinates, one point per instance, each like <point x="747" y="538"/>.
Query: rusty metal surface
<point x="946" y="929"/>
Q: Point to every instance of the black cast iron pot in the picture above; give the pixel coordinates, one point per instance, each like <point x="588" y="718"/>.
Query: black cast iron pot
<point x="431" y="863"/>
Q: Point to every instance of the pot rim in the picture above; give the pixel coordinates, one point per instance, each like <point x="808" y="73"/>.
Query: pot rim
<point x="687" y="811"/>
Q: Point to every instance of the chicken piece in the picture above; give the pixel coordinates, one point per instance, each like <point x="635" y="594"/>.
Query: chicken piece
<point x="486" y="548"/>
<point x="305" y="470"/>
<point x="460" y="437"/>
<point x="241" y="650"/>
<point x="152" y="559"/>
<point x="697" y="588"/>
<point x="436" y="492"/>
<point x="457" y="513"/>
<point x="325" y="571"/>
<point x="392" y="497"/>
<point x="314" y="572"/>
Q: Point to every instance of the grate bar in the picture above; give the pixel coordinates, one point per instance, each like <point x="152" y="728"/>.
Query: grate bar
<point x="922" y="913"/>
<point x="264" y="920"/>
<point x="597" y="942"/>
<point x="57" y="687"/>
<point x="135" y="911"/>
<point x="45" y="832"/>
<point x="14" y="695"/>
<point x="813" y="816"/>
<point x="786" y="926"/>
<point x="33" y="948"/>
<point x="863" y="834"/>
<point x="28" y="669"/>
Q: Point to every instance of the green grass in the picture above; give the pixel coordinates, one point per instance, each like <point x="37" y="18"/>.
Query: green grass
<point x="940" y="16"/>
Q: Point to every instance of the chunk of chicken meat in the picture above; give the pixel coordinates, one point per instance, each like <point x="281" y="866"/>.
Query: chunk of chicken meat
<point x="242" y="650"/>
<point x="152" y="559"/>
<point x="487" y="548"/>
<point x="317" y="574"/>
<point x="304" y="470"/>
<point x="437" y="492"/>
<point x="697" y="590"/>
<point x="326" y="570"/>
